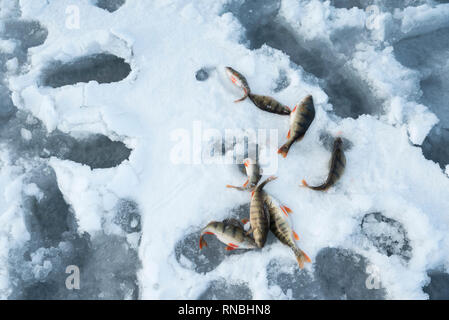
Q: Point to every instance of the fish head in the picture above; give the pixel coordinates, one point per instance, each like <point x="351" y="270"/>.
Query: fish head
<point x="250" y="243"/>
<point x="252" y="167"/>
<point x="260" y="238"/>
<point x="236" y="78"/>
<point x="230" y="73"/>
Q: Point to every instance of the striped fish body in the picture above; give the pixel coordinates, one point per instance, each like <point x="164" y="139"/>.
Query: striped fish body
<point x="300" y="120"/>
<point x="337" y="166"/>
<point x="231" y="234"/>
<point x="279" y="220"/>
<point x="239" y="80"/>
<point x="259" y="219"/>
<point x="269" y="104"/>
<point x="281" y="227"/>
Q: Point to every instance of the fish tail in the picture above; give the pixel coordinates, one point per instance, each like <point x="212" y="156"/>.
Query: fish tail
<point x="322" y="187"/>
<point x="260" y="186"/>
<point x="301" y="257"/>
<point x="241" y="99"/>
<point x="202" y="242"/>
<point x="285" y="148"/>
<point x="247" y="94"/>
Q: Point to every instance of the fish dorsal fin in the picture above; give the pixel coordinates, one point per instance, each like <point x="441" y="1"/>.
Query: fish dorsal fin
<point x="233" y="222"/>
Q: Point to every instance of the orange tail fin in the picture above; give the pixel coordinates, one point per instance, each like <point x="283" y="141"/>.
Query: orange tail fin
<point x="302" y="258"/>
<point x="283" y="150"/>
<point x="202" y="242"/>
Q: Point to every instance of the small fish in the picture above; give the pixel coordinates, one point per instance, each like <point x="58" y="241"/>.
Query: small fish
<point x="254" y="173"/>
<point x="269" y="104"/>
<point x="230" y="232"/>
<point x="337" y="165"/>
<point x="280" y="225"/>
<point x="258" y="217"/>
<point x="300" y="120"/>
<point x="239" y="80"/>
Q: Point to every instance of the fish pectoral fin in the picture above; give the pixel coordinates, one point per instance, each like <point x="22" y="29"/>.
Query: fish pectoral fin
<point x="245" y="221"/>
<point x="202" y="242"/>
<point x="287" y="209"/>
<point x="288" y="134"/>
<point x="235" y="187"/>
<point x="229" y="248"/>
<point x="295" y="235"/>
<point x="246" y="183"/>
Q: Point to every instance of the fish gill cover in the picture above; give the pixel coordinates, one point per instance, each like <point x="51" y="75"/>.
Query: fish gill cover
<point x="115" y="151"/>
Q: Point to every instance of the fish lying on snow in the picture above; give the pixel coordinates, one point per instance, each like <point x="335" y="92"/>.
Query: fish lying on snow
<point x="300" y="120"/>
<point x="258" y="217"/>
<point x="239" y="80"/>
<point x="269" y="104"/>
<point x="254" y="173"/>
<point x="281" y="227"/>
<point x="230" y="232"/>
<point x="264" y="103"/>
<point x="337" y="166"/>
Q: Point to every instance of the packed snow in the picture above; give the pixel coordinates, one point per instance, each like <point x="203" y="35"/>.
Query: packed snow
<point x="119" y="134"/>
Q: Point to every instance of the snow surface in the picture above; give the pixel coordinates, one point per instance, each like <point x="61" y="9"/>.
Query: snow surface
<point x="100" y="165"/>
